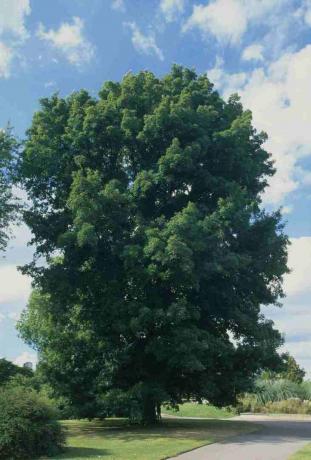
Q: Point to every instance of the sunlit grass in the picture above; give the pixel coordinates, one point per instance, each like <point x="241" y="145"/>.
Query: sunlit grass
<point x="198" y="410"/>
<point x="115" y="439"/>
<point x="303" y="454"/>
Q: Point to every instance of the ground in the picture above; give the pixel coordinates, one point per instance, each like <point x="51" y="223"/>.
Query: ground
<point x="114" y="440"/>
<point x="303" y="454"/>
<point x="278" y="438"/>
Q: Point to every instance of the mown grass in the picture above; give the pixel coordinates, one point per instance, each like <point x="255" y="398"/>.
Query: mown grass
<point x="303" y="454"/>
<point x="198" y="410"/>
<point x="114" y="439"/>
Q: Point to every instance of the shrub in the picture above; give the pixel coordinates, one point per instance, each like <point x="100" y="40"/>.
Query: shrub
<point x="290" y="406"/>
<point x="306" y="386"/>
<point x="28" y="428"/>
<point x="277" y="390"/>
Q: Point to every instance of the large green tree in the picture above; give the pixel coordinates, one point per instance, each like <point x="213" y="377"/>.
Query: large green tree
<point x="8" y="203"/>
<point x="146" y="207"/>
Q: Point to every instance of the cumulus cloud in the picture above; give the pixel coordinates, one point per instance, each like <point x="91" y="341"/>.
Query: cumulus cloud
<point x="14" y="285"/>
<point x="253" y="53"/>
<point x="299" y="261"/>
<point x="6" y="58"/>
<point x="228" y="20"/>
<point x="293" y="320"/>
<point x="13" y="31"/>
<point x="280" y="98"/>
<point x="144" y="44"/>
<point x="69" y="40"/>
<point x="172" y="8"/>
<point x="12" y="17"/>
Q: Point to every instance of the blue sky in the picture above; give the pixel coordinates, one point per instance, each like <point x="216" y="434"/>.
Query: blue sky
<point x="258" y="48"/>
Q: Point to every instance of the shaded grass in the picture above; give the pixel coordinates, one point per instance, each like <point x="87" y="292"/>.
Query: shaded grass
<point x="198" y="410"/>
<point x="303" y="454"/>
<point x="114" y="439"/>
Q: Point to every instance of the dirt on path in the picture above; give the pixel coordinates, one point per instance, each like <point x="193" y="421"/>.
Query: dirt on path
<point x="278" y="438"/>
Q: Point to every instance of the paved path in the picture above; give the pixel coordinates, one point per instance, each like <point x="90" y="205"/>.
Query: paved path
<point x="277" y="440"/>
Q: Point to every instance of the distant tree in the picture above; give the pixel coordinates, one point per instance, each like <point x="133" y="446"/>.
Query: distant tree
<point x="146" y="207"/>
<point x="287" y="369"/>
<point x="291" y="369"/>
<point x="8" y="204"/>
<point x="8" y="370"/>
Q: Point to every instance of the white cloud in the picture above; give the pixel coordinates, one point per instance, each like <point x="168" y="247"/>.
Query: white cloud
<point x="304" y="12"/>
<point x="14" y="285"/>
<point x="253" y="52"/>
<point x="12" y="17"/>
<point x="2" y="317"/>
<point x="279" y="96"/>
<point x="299" y="261"/>
<point x="294" y="319"/>
<point x="144" y="44"/>
<point x="13" y="31"/>
<point x="228" y="20"/>
<point x="69" y="40"/>
<point x="224" y="81"/>
<point x="118" y="5"/>
<point x="222" y="18"/>
<point x="6" y="57"/>
<point x="172" y="8"/>
<point x="26" y="357"/>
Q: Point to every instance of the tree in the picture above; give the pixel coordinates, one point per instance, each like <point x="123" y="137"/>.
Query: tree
<point x="146" y="206"/>
<point x="287" y="369"/>
<point x="8" y="204"/>
<point x="291" y="369"/>
<point x="8" y="370"/>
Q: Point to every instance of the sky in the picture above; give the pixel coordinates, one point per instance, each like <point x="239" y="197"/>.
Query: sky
<point x="258" y="48"/>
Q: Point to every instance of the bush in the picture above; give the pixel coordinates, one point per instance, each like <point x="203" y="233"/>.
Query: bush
<point x="28" y="428"/>
<point x="277" y="390"/>
<point x="290" y="406"/>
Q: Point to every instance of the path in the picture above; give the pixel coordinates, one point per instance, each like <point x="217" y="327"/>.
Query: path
<point x="277" y="440"/>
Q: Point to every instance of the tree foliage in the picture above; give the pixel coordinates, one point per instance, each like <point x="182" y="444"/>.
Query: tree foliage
<point x="291" y="369"/>
<point x="28" y="428"/>
<point x="8" y="204"/>
<point x="146" y="206"/>
<point x="8" y="370"/>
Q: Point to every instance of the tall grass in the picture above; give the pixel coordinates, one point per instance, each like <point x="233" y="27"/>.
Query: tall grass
<point x="280" y="390"/>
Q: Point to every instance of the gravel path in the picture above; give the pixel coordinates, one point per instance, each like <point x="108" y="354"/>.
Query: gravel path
<point x="277" y="440"/>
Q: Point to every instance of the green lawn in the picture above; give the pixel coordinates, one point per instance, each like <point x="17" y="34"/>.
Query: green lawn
<point x="115" y="440"/>
<point x="303" y="454"/>
<point x="198" y="410"/>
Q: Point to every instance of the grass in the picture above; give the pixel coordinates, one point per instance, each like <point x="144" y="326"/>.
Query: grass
<point x="114" y="439"/>
<point x="198" y="410"/>
<point x="303" y="454"/>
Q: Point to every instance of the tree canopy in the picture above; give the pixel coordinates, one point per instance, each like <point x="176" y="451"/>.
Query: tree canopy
<point x="290" y="369"/>
<point x="146" y="207"/>
<point x="8" y="204"/>
<point x="8" y="370"/>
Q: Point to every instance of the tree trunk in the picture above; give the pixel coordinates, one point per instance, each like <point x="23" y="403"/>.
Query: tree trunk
<point x="150" y="411"/>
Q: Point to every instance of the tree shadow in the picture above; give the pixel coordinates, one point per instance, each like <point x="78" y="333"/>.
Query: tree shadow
<point x="76" y="453"/>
